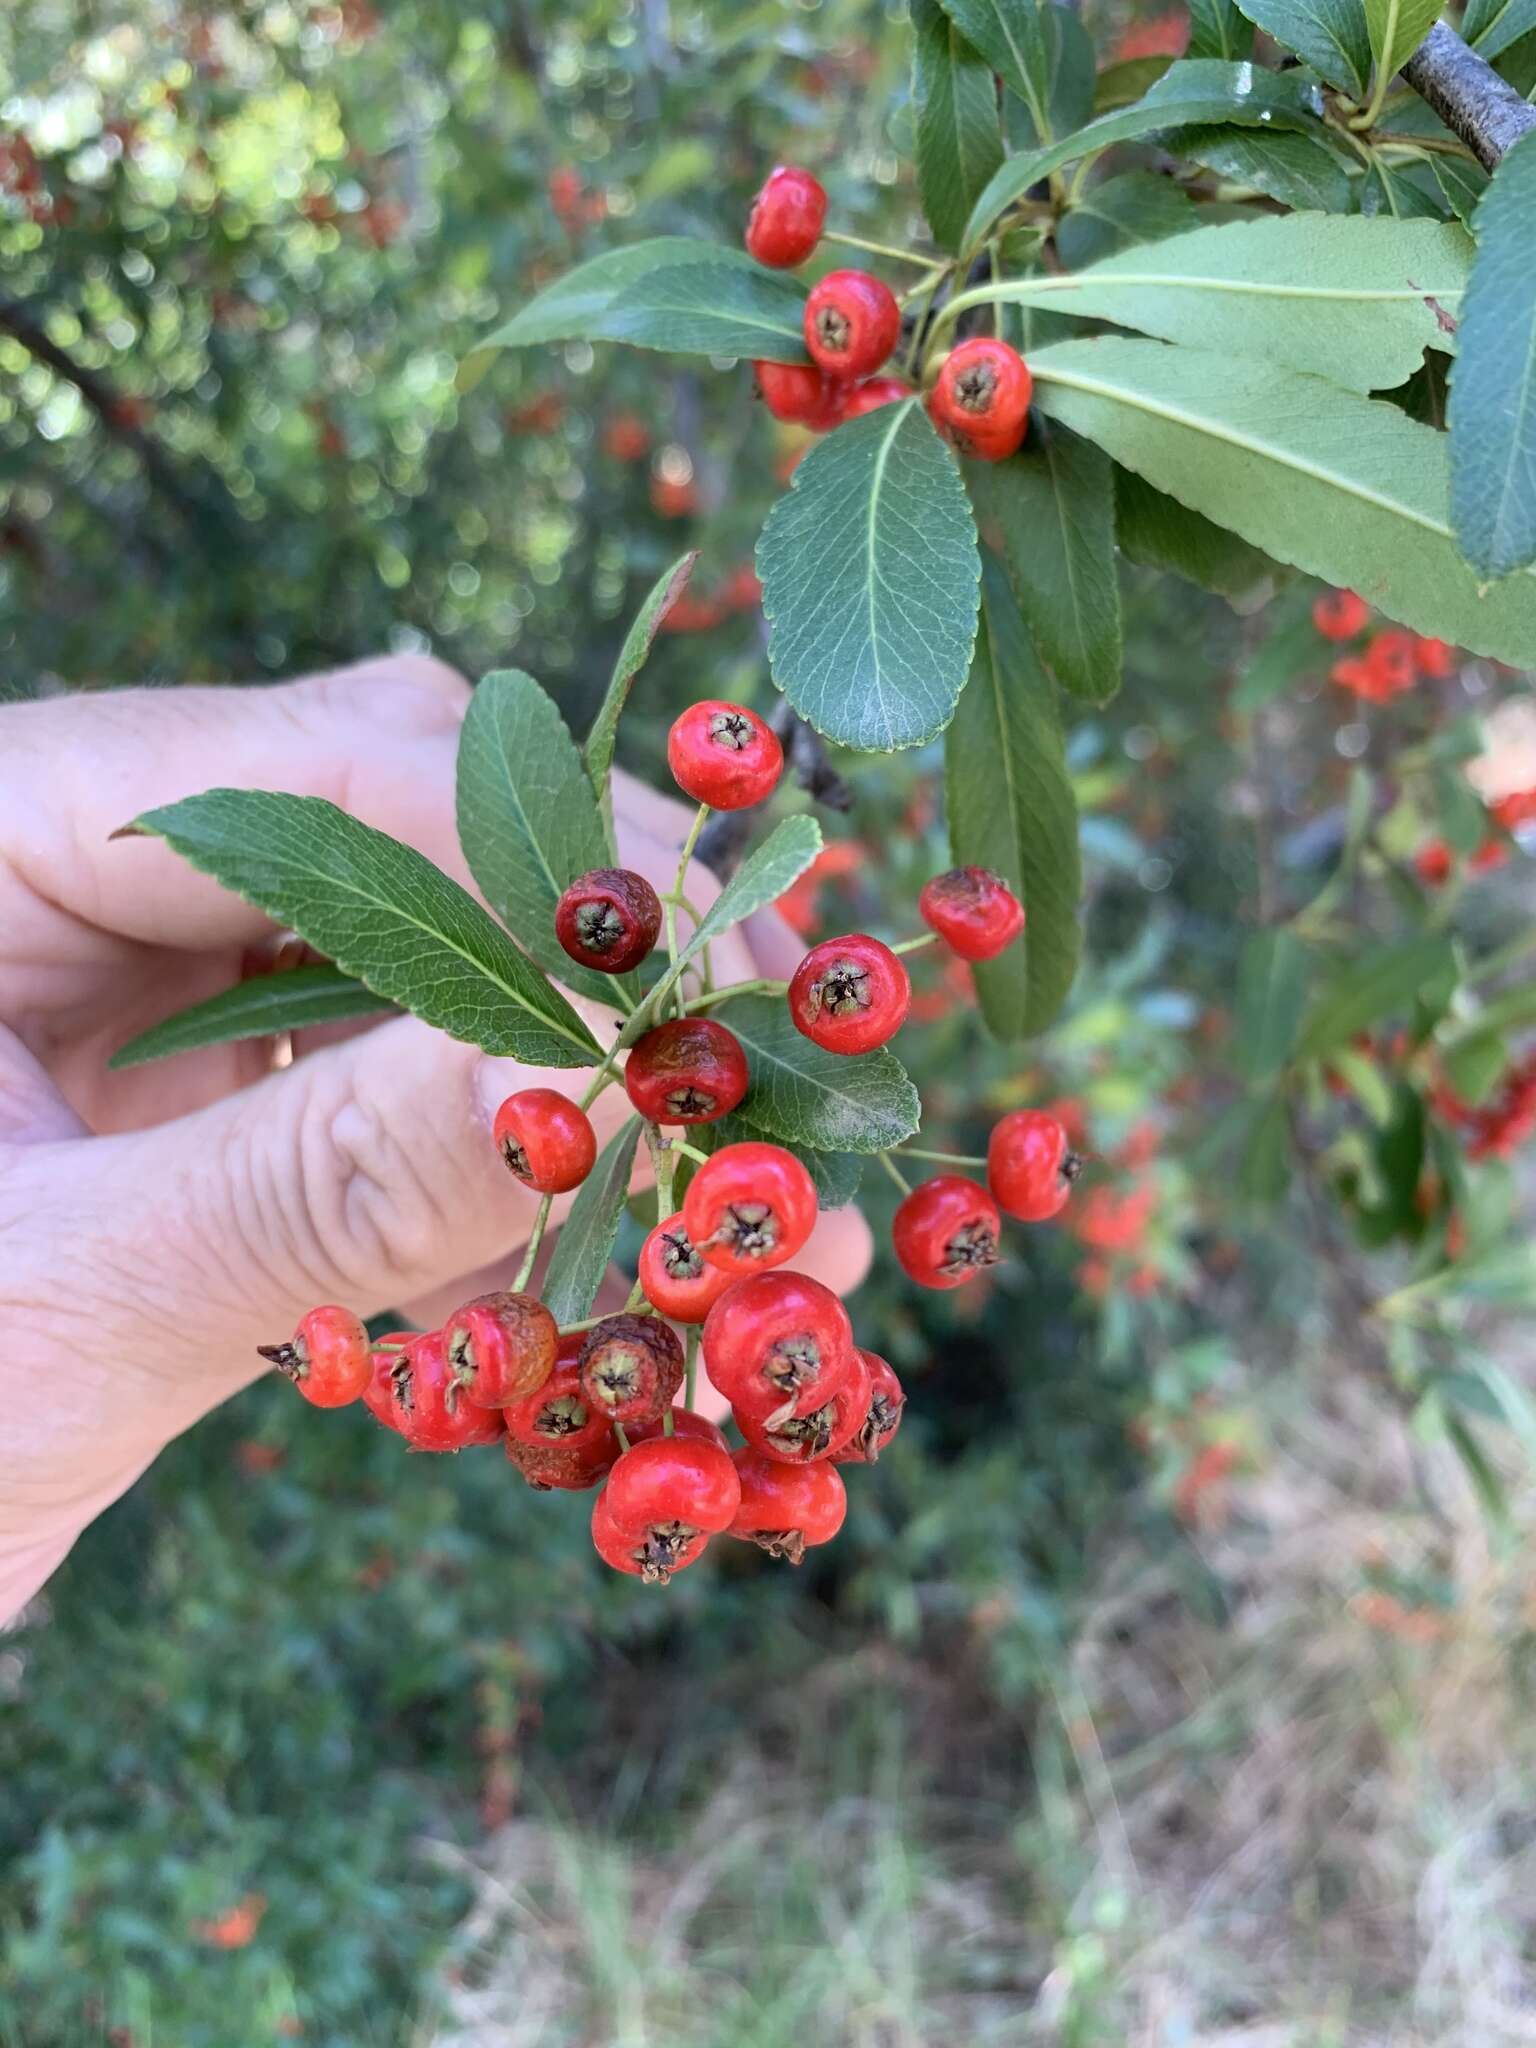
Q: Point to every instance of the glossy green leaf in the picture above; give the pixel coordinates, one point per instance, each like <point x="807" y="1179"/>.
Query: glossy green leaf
<point x="1011" y="36"/>
<point x="1050" y="511"/>
<point x="1344" y="487"/>
<point x="1397" y="27"/>
<point x="761" y="879"/>
<point x="1491" y="26"/>
<point x="1121" y="85"/>
<point x="959" y="140"/>
<point x="1493" y="387"/>
<point x="1218" y="29"/>
<point x="528" y="821"/>
<point x="382" y="912"/>
<point x="1119" y="213"/>
<point x="1272" y="980"/>
<point x="597" y="754"/>
<point x="1011" y="808"/>
<point x="1295" y="169"/>
<point x="1380" y="985"/>
<point x="1160" y="533"/>
<point x="1354" y="300"/>
<point x="1400" y="192"/>
<point x="585" y="1244"/>
<point x="1066" y="70"/>
<point x="870" y="575"/>
<point x="803" y="1095"/>
<point x="1330" y="35"/>
<point x="292" y="1000"/>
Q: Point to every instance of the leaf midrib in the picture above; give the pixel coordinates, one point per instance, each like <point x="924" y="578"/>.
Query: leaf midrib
<point x="902" y="413"/>
<point x="1024" y="289"/>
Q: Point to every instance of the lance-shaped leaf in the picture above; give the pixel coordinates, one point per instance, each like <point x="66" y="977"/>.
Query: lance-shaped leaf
<point x="1493" y="387"/>
<point x="1383" y="984"/>
<point x="667" y="293"/>
<point x="1295" y="169"/>
<point x="1160" y="533"/>
<point x="382" y="912"/>
<point x="1065" y="84"/>
<point x="1051" y="508"/>
<point x="597" y="754"/>
<point x="288" y="1001"/>
<point x="959" y="141"/>
<point x="870" y="574"/>
<point x="585" y="1244"/>
<point x="1356" y="301"/>
<point x="1218" y="29"/>
<point x="1397" y="27"/>
<point x="1011" y="809"/>
<point x="1330" y="35"/>
<point x="1272" y="979"/>
<point x="1492" y="26"/>
<point x="1344" y="487"/>
<point x="804" y="1095"/>
<point x="1199" y="90"/>
<point x="1119" y="213"/>
<point x="528" y="820"/>
<point x="1012" y="36"/>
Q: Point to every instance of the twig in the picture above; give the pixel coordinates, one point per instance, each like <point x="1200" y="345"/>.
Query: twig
<point x="1469" y="95"/>
<point x="725" y="837"/>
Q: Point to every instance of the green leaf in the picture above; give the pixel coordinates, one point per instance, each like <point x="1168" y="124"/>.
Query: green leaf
<point x="528" y="821"/>
<point x="1138" y="206"/>
<point x="837" y="1174"/>
<point x="1397" y="27"/>
<point x="1400" y="192"/>
<point x="668" y="293"/>
<point x="1462" y="185"/>
<point x="382" y="912"/>
<point x="289" y="1001"/>
<point x="1330" y="35"/>
<point x="1160" y="533"/>
<point x="1294" y="169"/>
<point x="1383" y="984"/>
<point x="1272" y="978"/>
<point x="1217" y="29"/>
<point x="803" y="1095"/>
<point x="1121" y="85"/>
<point x="1493" y="387"/>
<point x="761" y="879"/>
<point x="1198" y="90"/>
<point x="1052" y="507"/>
<point x="870" y="576"/>
<point x="1264" y="1162"/>
<point x="587" y="1237"/>
<point x="1354" y="300"/>
<point x="1066" y="73"/>
<point x="1011" y="36"/>
<point x="1490" y="26"/>
<point x="1474" y="1065"/>
<point x="1344" y="487"/>
<point x="959" y="141"/>
<point x="1289" y="653"/>
<point x="1011" y="809"/>
<point x="1365" y="1081"/>
<point x="597" y="754"/>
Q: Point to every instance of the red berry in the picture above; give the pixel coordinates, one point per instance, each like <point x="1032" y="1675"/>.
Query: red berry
<point x="1340" y="614"/>
<point x="981" y="399"/>
<point x="1435" y="658"/>
<point x="685" y="1422"/>
<point x="777" y="1341"/>
<point x="973" y="910"/>
<point x="546" y="1139"/>
<point x="1392" y="658"/>
<point x="677" y="1280"/>
<point x="678" y="1484"/>
<point x="886" y="1402"/>
<point x="631" y="1366"/>
<point x="561" y="1467"/>
<point x="639" y="1556"/>
<point x="808" y="1434"/>
<point x="501" y="1347"/>
<point x="785" y="222"/>
<point x="785" y="1509"/>
<point x="750" y="1207"/>
<point x="849" y="995"/>
<point x="1029" y="1168"/>
<point x="946" y="1232"/>
<point x="417" y="1395"/>
<point x="723" y="755"/>
<point x="800" y="393"/>
<point x="852" y="322"/>
<point x="327" y="1358"/>
<point x="608" y="919"/>
<point x="559" y="1412"/>
<point x="873" y="393"/>
<point x="689" y="1070"/>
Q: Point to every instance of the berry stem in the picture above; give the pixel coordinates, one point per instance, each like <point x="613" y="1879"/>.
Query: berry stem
<point x="887" y="249"/>
<point x="535" y="1239"/>
<point x="606" y="1072"/>
<point x="679" y="888"/>
<point x="691" y="1371"/>
<point x="943" y="1158"/>
<point x="618" y="1430"/>
<point x="914" y="945"/>
<point x="736" y="988"/>
<point x="689" y="1151"/>
<point x="664" y="1159"/>
<point x="895" y="1172"/>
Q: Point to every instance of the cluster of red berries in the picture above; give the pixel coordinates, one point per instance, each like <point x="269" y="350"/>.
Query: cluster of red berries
<point x="1391" y="661"/>
<point x="1499" y="1127"/>
<point x="980" y="398"/>
<point x="1434" y="860"/>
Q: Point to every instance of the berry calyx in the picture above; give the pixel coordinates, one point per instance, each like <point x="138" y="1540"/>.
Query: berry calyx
<point x="800" y="394"/>
<point x="559" y="1412"/>
<point x="1340" y="614"/>
<point x="786" y="218"/>
<point x="1030" y="1169"/>
<point x="786" y="1510"/>
<point x="546" y="1140"/>
<point x="724" y="755"/>
<point x="651" y="1562"/>
<point x="945" y="1233"/>
<point x="886" y="1402"/>
<point x="972" y="910"/>
<point x="689" y="1070"/>
<point x="869" y="396"/>
<point x="328" y="1357"/>
<point x="676" y="1279"/>
<point x="501" y="1347"/>
<point x="807" y="1434"/>
<point x="981" y="398"/>
<point x="777" y="1343"/>
<point x="414" y="1392"/>
<point x="852" y="322"/>
<point x="608" y="919"/>
<point x="850" y="995"/>
<point x="674" y="1488"/>
<point x="630" y="1367"/>
<point x="750" y="1207"/>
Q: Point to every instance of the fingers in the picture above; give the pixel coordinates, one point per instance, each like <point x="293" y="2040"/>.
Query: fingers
<point x="32" y="1111"/>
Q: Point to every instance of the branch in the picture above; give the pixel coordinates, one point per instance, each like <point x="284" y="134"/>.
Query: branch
<point x="724" y="838"/>
<point x="1469" y="95"/>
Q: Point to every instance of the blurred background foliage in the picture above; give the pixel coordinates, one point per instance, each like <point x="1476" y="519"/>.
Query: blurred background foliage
<point x="311" y="1741"/>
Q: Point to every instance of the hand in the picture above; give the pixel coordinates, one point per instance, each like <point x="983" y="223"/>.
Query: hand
<point x="157" y="1224"/>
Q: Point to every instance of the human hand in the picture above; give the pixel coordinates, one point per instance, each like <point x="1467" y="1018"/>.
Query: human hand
<point x="158" y="1223"/>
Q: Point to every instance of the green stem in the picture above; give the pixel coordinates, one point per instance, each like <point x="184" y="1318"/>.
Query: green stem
<point x="536" y="1238"/>
<point x="943" y="1158"/>
<point x="664" y="1159"/>
<point x="606" y="1072"/>
<point x="700" y="819"/>
<point x="736" y="988"/>
<point x="618" y="1430"/>
<point x="691" y="1375"/>
<point x="886" y="249"/>
<point x="895" y="1172"/>
<point x="1508" y="955"/>
<point x="914" y="945"/>
<point x="689" y="1151"/>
